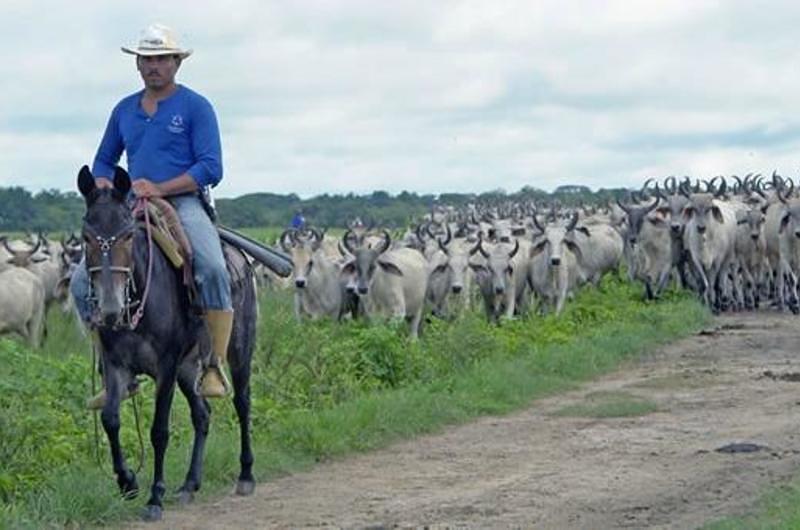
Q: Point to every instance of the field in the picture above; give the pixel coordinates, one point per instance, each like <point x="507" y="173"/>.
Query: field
<point x="320" y="390"/>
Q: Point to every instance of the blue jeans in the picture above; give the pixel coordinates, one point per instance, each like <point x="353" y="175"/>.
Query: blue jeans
<point x="210" y="274"/>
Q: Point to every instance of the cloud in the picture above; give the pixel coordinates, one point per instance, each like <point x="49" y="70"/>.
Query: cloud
<point x="319" y="96"/>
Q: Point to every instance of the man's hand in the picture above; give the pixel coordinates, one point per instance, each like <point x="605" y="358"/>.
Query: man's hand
<point x="146" y="188"/>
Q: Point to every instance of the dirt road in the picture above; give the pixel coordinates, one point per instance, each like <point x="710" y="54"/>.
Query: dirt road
<point x="538" y="468"/>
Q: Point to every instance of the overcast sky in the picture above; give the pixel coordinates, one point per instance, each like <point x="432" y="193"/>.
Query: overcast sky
<point x="428" y="96"/>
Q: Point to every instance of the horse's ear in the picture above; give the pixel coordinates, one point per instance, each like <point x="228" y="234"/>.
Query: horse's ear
<point x="122" y="182"/>
<point x="86" y="182"/>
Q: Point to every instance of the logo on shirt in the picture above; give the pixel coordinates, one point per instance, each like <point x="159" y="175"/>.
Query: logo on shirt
<point x="176" y="124"/>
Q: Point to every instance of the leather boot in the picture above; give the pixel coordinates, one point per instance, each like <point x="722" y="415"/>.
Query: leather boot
<point x="98" y="401"/>
<point x="215" y="382"/>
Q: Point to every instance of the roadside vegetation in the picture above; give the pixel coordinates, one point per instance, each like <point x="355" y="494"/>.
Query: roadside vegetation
<point x="609" y="405"/>
<point x="320" y="390"/>
<point x="778" y="509"/>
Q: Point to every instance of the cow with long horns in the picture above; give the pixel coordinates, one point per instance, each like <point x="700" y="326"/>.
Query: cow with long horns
<point x="389" y="283"/>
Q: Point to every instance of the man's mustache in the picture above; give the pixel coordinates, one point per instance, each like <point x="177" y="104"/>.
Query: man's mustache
<point x="153" y="74"/>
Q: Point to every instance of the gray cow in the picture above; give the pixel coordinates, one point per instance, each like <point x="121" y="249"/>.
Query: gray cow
<point x="450" y="278"/>
<point x="389" y="283"/>
<point x="319" y="288"/>
<point x="22" y="307"/>
<point x="502" y="278"/>
<point x="553" y="273"/>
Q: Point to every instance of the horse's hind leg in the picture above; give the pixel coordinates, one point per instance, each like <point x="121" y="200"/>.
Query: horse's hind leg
<point x="240" y="373"/>
<point x="159" y="437"/>
<point x="201" y="414"/>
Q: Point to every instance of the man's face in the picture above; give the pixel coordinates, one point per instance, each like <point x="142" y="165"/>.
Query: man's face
<point x="157" y="71"/>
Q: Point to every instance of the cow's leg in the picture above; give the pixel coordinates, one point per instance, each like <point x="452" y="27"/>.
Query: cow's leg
<point x="562" y="288"/>
<point x="682" y="273"/>
<point x="159" y="438"/>
<point x="792" y="299"/>
<point x="510" y="301"/>
<point x="663" y="280"/>
<point x="126" y="479"/>
<point x="200" y="420"/>
<point x="415" y="322"/>
<point x="749" y="288"/>
<point x="648" y="290"/>
<point x="702" y="281"/>
<point x="780" y="281"/>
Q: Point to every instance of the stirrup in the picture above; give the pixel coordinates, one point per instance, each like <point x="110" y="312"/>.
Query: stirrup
<point x="214" y="383"/>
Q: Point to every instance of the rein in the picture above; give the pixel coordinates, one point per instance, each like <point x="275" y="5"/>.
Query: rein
<point x="142" y="203"/>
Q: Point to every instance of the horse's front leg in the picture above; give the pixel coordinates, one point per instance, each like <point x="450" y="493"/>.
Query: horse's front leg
<point x="200" y="420"/>
<point x="126" y="479"/>
<point x="159" y="438"/>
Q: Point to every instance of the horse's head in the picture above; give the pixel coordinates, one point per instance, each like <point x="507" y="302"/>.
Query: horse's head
<point x="108" y="229"/>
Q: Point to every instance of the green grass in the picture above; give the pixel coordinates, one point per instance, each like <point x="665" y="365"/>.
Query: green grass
<point x="320" y="391"/>
<point x="609" y="405"/>
<point x="778" y="509"/>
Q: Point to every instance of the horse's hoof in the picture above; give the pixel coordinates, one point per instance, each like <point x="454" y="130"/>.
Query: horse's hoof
<point x="245" y="487"/>
<point x="152" y="513"/>
<point x="185" y="497"/>
<point x="128" y="486"/>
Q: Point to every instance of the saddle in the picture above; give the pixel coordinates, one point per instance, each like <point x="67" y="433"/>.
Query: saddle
<point x="169" y="235"/>
<point x="167" y="232"/>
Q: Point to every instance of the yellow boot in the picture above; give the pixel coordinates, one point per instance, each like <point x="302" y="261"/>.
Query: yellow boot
<point x="220" y="324"/>
<point x="98" y="401"/>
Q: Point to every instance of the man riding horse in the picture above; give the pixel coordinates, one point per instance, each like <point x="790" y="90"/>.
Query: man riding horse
<point x="171" y="140"/>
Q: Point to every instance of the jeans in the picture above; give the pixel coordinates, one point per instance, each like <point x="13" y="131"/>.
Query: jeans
<point x="210" y="274"/>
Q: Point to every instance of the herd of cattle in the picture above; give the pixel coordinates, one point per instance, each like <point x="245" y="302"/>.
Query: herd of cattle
<point x="34" y="273"/>
<point x="736" y="242"/>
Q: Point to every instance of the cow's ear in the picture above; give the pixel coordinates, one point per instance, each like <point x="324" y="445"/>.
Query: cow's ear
<point x="574" y="248"/>
<point x="688" y="212"/>
<point x="440" y="269"/>
<point x="390" y="268"/>
<point x="717" y="213"/>
<point x="656" y="221"/>
<point x="538" y="248"/>
<point x="784" y="222"/>
<point x="349" y="267"/>
<point x="477" y="267"/>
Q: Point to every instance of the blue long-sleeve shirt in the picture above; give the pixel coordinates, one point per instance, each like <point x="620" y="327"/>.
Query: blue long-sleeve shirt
<point x="181" y="137"/>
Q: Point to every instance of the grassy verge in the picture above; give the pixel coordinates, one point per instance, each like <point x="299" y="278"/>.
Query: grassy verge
<point x="320" y="391"/>
<point x="609" y="405"/>
<point x="778" y="509"/>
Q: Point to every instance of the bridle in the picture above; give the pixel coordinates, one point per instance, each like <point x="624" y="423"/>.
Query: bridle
<point x="128" y="319"/>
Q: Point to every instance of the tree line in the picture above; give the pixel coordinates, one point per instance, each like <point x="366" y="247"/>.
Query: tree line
<point x="55" y="211"/>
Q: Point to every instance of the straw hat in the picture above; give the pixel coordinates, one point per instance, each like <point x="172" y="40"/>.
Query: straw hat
<point x="157" y="39"/>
